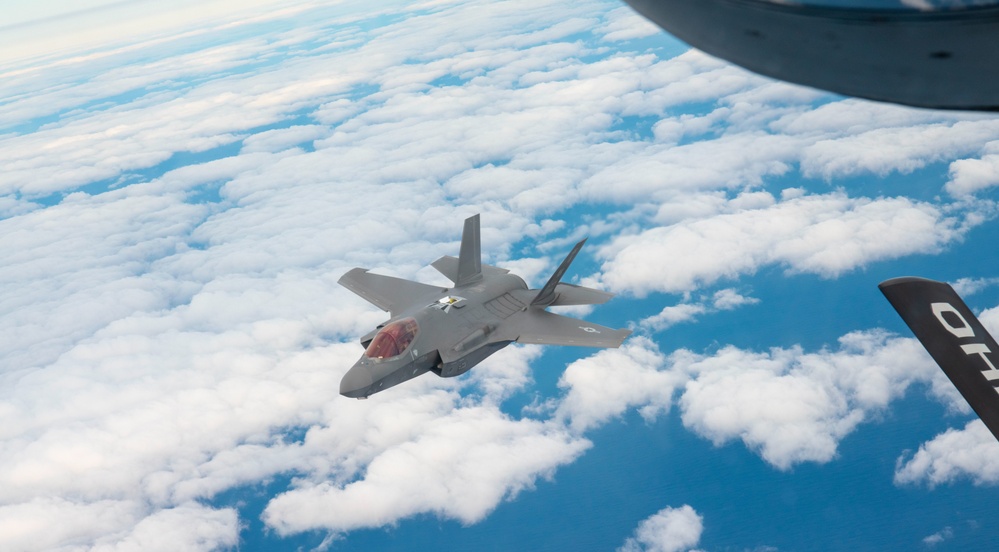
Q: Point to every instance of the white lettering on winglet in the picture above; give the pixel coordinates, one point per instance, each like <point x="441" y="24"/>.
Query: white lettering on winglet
<point x="980" y="349"/>
<point x="965" y="331"/>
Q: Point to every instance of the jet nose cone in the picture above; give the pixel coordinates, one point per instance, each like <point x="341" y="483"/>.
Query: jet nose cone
<point x="355" y="382"/>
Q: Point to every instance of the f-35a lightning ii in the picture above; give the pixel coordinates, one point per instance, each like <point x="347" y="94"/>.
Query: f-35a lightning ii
<point x="447" y="331"/>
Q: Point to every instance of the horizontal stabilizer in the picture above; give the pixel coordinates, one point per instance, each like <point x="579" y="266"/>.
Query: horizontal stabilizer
<point x="954" y="337"/>
<point x="547" y="328"/>
<point x="570" y="294"/>
<point x="388" y="293"/>
<point x="448" y="266"/>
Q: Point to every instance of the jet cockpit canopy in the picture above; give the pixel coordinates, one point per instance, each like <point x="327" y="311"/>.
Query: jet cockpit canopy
<point x="393" y="340"/>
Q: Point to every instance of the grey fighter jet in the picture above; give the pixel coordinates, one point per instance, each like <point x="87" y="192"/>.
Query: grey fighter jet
<point x="447" y="331"/>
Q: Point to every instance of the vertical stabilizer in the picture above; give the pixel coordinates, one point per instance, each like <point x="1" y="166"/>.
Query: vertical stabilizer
<point x="547" y="294"/>
<point x="470" y="257"/>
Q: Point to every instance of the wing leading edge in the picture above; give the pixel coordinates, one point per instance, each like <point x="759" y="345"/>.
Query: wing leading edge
<point x="954" y="337"/>
<point x="388" y="293"/>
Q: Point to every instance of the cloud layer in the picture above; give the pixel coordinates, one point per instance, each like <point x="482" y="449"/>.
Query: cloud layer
<point x="176" y="213"/>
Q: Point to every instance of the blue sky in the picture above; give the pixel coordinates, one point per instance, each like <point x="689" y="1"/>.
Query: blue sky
<point x="183" y="189"/>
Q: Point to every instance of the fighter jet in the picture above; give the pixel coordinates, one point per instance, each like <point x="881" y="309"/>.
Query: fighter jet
<point x="954" y="337"/>
<point x="926" y="53"/>
<point x="447" y="331"/>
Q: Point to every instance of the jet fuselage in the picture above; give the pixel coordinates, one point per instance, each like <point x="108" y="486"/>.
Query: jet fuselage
<point x="452" y="334"/>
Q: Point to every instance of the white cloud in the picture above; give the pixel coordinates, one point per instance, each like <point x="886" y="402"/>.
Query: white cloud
<point x="119" y="526"/>
<point x="84" y="31"/>
<point x="672" y="315"/>
<point x="940" y="536"/>
<point x="624" y="24"/>
<point x="722" y="300"/>
<point x="728" y="299"/>
<point x="45" y="523"/>
<point x="788" y="405"/>
<point x="826" y="234"/>
<point x="285" y="138"/>
<point x="971" y="452"/>
<point x="968" y="176"/>
<point x="189" y="526"/>
<point x="903" y="149"/>
<point x="606" y="384"/>
<point x="460" y="466"/>
<point x="668" y="530"/>
<point x="158" y="346"/>
<point x="70" y="269"/>
<point x="793" y="406"/>
<point x="966" y="287"/>
<point x="852" y="137"/>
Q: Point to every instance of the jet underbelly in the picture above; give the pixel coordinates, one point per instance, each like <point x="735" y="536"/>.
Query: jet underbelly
<point x="462" y="364"/>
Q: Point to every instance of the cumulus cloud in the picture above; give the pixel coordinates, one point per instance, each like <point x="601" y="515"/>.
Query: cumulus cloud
<point x="56" y="523"/>
<point x="788" y="405"/>
<point x="668" y="530"/>
<point x="728" y="299"/>
<point x="722" y="300"/>
<point x="792" y="406"/>
<point x="940" y="536"/>
<point x="606" y="384"/>
<point x="904" y="149"/>
<point x="853" y="137"/>
<point x="191" y="527"/>
<point x="966" y="287"/>
<point x="971" y="452"/>
<point x="176" y="212"/>
<point x="672" y="315"/>
<point x="827" y="234"/>
<point x="460" y="467"/>
<point x="971" y="175"/>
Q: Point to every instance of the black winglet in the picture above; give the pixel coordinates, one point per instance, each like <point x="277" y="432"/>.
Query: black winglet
<point x="954" y="337"/>
<point x="547" y="294"/>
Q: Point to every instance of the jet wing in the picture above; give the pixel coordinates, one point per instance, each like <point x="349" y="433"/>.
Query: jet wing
<point x="933" y="56"/>
<point x="547" y="328"/>
<point x="954" y="337"/>
<point x="390" y="294"/>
